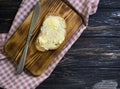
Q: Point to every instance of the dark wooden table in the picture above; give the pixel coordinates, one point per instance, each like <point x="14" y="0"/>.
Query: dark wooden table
<point x="93" y="58"/>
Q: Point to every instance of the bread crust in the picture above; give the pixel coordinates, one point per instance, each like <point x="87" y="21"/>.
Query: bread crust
<point x="37" y="45"/>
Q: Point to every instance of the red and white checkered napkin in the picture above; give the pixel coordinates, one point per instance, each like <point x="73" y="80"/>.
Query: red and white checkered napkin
<point x="8" y="79"/>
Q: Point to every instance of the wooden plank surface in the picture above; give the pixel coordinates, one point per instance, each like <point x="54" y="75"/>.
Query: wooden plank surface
<point x="8" y="9"/>
<point x="96" y="53"/>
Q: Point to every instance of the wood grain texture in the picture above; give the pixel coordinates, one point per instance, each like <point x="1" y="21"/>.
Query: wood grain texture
<point x="8" y="10"/>
<point x="36" y="61"/>
<point x="110" y="4"/>
<point x="106" y="17"/>
<point x="76" y="71"/>
<point x="67" y="77"/>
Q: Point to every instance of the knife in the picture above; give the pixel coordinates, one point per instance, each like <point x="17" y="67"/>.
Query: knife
<point x="35" y="16"/>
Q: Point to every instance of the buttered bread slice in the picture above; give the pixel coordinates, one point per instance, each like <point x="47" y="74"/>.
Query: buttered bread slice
<point x="52" y="33"/>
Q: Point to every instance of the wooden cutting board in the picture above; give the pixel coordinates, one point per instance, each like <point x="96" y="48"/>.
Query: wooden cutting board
<point x="36" y="61"/>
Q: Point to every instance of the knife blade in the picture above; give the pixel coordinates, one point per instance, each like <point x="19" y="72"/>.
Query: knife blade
<point x="35" y="16"/>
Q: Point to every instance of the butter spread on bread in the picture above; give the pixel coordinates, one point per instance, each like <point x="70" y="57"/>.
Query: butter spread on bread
<point x="52" y="33"/>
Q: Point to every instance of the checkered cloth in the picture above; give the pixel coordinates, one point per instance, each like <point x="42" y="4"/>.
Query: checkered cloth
<point x="8" y="78"/>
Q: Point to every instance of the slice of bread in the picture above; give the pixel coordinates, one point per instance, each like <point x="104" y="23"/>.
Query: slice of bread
<point x="52" y="34"/>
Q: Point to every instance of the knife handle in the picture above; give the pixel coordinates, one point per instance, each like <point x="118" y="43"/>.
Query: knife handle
<point x="23" y="57"/>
